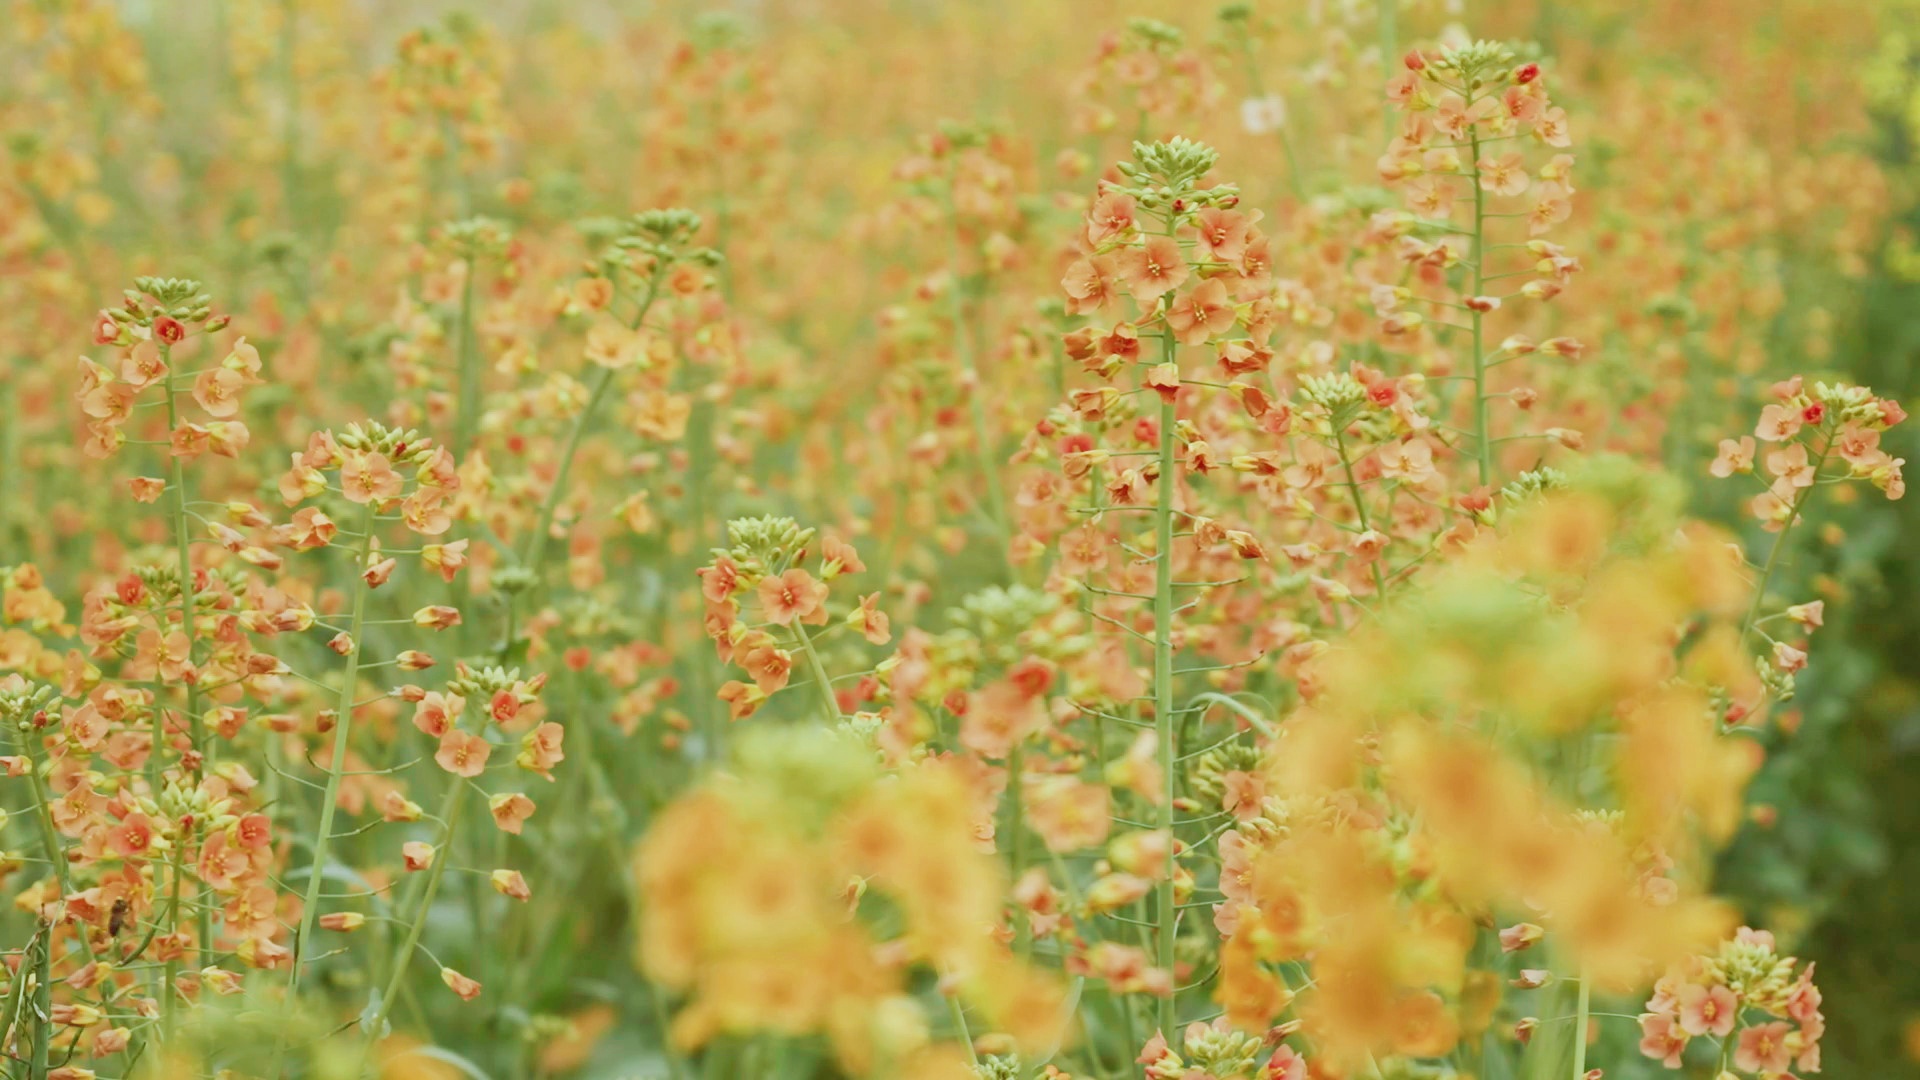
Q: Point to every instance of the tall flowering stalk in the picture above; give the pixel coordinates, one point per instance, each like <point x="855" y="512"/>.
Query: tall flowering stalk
<point x="152" y="323"/>
<point x="1761" y="1015"/>
<point x="1816" y="437"/>
<point x="1180" y="250"/>
<point x="962" y="169"/>
<point x="1464" y="107"/>
<point x="635" y="269"/>
<point x="463" y="753"/>
<point x="765" y="561"/>
<point x="362" y="466"/>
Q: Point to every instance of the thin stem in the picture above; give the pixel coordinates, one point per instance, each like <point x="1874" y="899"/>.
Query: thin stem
<point x="1359" y="506"/>
<point x="343" y="725"/>
<point x="964" y="346"/>
<point x="468" y="422"/>
<point x="543" y="525"/>
<point x="1780" y="545"/>
<point x="43" y="1002"/>
<point x="817" y="672"/>
<point x="1483" y="444"/>
<point x="1580" y="1027"/>
<point x="959" y="1014"/>
<point x="182" y="547"/>
<point x="1017" y="841"/>
<point x="450" y="814"/>
<point x="1163" y="673"/>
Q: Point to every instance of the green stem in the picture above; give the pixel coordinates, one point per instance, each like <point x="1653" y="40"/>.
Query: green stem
<point x="343" y="724"/>
<point x="9" y="467"/>
<point x="450" y="816"/>
<point x="1359" y="506"/>
<point x="1580" y="1026"/>
<point x="1163" y="675"/>
<point x="49" y="836"/>
<point x="959" y="1014"/>
<point x="177" y="481"/>
<point x="1017" y="841"/>
<point x="543" y="525"/>
<point x="170" y="997"/>
<point x="1255" y="720"/>
<point x="1780" y="544"/>
<point x="700" y="454"/>
<point x="966" y="351"/>
<point x="468" y="422"/>
<point x="43" y="1002"/>
<point x="1483" y="440"/>
<point x="817" y="671"/>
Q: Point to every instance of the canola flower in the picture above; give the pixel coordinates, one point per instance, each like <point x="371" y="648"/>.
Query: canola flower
<point x="1282" y="562"/>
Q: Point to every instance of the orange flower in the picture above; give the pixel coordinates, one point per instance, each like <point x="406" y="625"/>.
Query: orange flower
<point x="416" y="855"/>
<point x="463" y="753"/>
<point x="1110" y="219"/>
<point x="1153" y="269"/>
<point x="1090" y="284"/>
<point x="540" y="749"/>
<point x="132" y="838"/>
<point x="1201" y="314"/>
<point x="510" y="883"/>
<point x="871" y="621"/>
<point x="510" y="811"/>
<point x="793" y="595"/>
<point x="742" y="699"/>
<point x="436" y="713"/>
<point x="1223" y="233"/>
<point x="368" y="477"/>
<point x="1504" y="175"/>
<point x="770" y="667"/>
<point x="467" y="988"/>
<point x="448" y="559"/>
<point x="217" y="390"/>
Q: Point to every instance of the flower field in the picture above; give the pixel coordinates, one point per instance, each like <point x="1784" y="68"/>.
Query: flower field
<point x="939" y="540"/>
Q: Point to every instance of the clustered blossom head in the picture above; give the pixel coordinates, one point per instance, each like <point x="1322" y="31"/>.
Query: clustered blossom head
<point x="1144" y="74"/>
<point x="1761" y="1013"/>
<point x="158" y="317"/>
<point x="789" y="853"/>
<point x="765" y="563"/>
<point x="510" y="701"/>
<point x="1459" y="99"/>
<point x="364" y="465"/>
<point x="1218" y="1052"/>
<point x="1808" y="430"/>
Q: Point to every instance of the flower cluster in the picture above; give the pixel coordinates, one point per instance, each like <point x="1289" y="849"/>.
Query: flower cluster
<point x="957" y="589"/>
<point x="764" y="562"/>
<point x="1762" y="1018"/>
<point x="767" y="861"/>
<point x="159" y="315"/>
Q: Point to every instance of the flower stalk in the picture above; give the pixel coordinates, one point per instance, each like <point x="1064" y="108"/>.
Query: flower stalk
<point x="336" y="767"/>
<point x="1163" y="716"/>
<point x="449" y="816"/>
